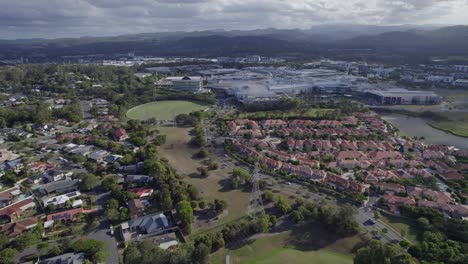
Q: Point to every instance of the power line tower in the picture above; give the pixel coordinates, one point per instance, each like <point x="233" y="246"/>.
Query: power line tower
<point x="256" y="203"/>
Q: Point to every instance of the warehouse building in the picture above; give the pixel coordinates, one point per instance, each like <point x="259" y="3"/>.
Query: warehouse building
<point x="185" y="83"/>
<point x="402" y="97"/>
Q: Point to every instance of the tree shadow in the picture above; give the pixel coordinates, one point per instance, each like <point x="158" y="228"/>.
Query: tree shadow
<point x="312" y="236"/>
<point x="225" y="185"/>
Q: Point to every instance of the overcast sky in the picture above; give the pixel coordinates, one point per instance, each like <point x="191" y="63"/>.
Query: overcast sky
<point x="71" y="18"/>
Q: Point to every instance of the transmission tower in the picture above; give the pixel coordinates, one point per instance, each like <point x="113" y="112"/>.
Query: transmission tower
<point x="256" y="203"/>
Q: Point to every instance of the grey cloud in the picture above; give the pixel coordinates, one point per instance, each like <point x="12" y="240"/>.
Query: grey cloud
<point x="57" y="18"/>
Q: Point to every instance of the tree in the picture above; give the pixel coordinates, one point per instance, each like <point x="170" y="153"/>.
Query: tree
<point x="203" y="171"/>
<point x="8" y="256"/>
<point x="89" y="182"/>
<point x="3" y="241"/>
<point x="185" y="215"/>
<point x="267" y="197"/>
<point x="375" y="252"/>
<point x="200" y="254"/>
<point x="219" y="206"/>
<point x="42" y="247"/>
<point x="203" y="153"/>
<point x="297" y="216"/>
<point x="282" y="204"/>
<point x="109" y="182"/>
<point x="262" y="224"/>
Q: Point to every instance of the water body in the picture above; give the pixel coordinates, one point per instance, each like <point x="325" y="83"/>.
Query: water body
<point x="417" y="127"/>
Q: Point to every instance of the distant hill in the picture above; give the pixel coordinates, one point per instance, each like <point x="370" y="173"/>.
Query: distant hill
<point x="405" y="43"/>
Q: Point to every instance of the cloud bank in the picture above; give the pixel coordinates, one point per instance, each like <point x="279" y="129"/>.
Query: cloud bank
<point x="71" y="18"/>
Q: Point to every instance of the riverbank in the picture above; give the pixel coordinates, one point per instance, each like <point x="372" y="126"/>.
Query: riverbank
<point x="421" y="128"/>
<point x="455" y="128"/>
<point x="455" y="123"/>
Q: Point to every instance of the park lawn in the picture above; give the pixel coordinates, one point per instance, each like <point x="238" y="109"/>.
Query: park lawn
<point x="317" y="246"/>
<point x="181" y="157"/>
<point x="164" y="110"/>
<point x="406" y="227"/>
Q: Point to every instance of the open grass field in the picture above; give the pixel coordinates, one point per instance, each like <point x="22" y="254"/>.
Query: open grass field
<point x="164" y="110"/>
<point x="454" y="127"/>
<point x="406" y="227"/>
<point x="456" y="123"/>
<point x="181" y="157"/>
<point x="310" y="244"/>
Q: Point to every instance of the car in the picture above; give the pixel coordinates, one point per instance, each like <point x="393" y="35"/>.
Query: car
<point x="371" y="221"/>
<point x="287" y="183"/>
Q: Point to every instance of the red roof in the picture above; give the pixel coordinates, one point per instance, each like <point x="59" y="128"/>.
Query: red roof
<point x="141" y="191"/>
<point x="120" y="133"/>
<point x="67" y="215"/>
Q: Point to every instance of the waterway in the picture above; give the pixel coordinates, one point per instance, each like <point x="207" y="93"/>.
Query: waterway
<point x="418" y="127"/>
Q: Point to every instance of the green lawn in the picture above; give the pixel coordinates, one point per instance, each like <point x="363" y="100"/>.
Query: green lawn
<point x="458" y="128"/>
<point x="406" y="227"/>
<point x="164" y="109"/>
<point x="311" y="245"/>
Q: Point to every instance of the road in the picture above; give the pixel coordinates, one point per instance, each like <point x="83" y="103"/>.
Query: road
<point x="102" y="233"/>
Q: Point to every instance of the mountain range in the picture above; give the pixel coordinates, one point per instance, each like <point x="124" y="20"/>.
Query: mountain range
<point x="407" y="43"/>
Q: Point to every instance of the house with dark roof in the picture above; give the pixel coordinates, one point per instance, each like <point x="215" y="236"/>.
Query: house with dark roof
<point x="68" y="258"/>
<point x="63" y="186"/>
<point x="153" y="224"/>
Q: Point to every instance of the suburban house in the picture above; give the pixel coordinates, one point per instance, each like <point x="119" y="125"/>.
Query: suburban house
<point x="60" y="199"/>
<point x="9" y="196"/>
<point x="120" y="134"/>
<point x="394" y="202"/>
<point x="66" y="185"/>
<point x="98" y="156"/>
<point x="68" y="258"/>
<point x="15" y="210"/>
<point x="68" y="214"/>
<point x="153" y="224"/>
<point x="13" y="230"/>
<point x="136" y="208"/>
<point x="142" y="192"/>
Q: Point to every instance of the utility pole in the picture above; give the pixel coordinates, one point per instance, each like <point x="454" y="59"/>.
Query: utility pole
<point x="256" y="203"/>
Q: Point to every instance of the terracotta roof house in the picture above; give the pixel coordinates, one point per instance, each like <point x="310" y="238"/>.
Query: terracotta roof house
<point x="337" y="182"/>
<point x="392" y="187"/>
<point x="136" y="208"/>
<point x="274" y="123"/>
<point x="379" y="155"/>
<point x="393" y="202"/>
<point x="271" y="163"/>
<point x="356" y="187"/>
<point x="9" y="196"/>
<point x="15" y="210"/>
<point x="68" y="214"/>
<point x="120" y="134"/>
<point x="142" y="192"/>
<point x="13" y="230"/>
<point x="452" y="175"/>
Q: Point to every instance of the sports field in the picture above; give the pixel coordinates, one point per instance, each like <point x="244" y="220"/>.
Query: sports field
<point x="164" y="110"/>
